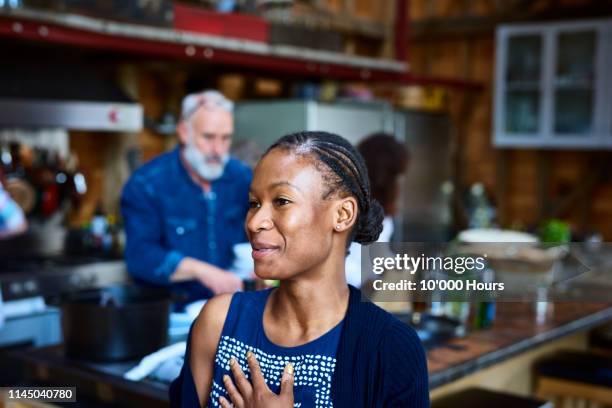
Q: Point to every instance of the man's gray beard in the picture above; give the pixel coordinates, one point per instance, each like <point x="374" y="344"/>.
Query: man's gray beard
<point x="197" y="161"/>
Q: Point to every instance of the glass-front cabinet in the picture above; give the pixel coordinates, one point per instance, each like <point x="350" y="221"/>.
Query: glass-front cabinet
<point x="553" y="85"/>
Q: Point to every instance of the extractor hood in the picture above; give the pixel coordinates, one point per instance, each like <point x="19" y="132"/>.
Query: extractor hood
<point x="64" y="93"/>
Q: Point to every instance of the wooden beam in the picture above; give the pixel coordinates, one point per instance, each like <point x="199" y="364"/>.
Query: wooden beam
<point x="501" y="187"/>
<point x="401" y="30"/>
<point x="459" y="158"/>
<point x="544" y="166"/>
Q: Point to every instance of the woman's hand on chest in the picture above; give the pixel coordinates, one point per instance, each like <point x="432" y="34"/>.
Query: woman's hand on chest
<point x="256" y="394"/>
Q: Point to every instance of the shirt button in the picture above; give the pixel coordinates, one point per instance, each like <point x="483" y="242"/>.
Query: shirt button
<point x="180" y="230"/>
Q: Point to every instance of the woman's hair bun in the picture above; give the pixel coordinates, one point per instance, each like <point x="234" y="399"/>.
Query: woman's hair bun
<point x="347" y="174"/>
<point x="370" y="224"/>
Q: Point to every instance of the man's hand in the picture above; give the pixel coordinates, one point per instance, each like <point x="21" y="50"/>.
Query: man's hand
<point x="256" y="395"/>
<point x="219" y="280"/>
<point x="216" y="279"/>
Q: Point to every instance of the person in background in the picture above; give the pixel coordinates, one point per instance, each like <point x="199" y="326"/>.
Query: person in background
<point x="386" y="160"/>
<point x="184" y="210"/>
<point x="12" y="219"/>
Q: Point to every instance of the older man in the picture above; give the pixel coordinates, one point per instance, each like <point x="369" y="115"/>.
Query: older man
<point x="185" y="210"/>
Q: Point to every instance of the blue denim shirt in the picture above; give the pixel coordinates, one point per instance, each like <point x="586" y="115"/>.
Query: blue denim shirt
<point x="168" y="216"/>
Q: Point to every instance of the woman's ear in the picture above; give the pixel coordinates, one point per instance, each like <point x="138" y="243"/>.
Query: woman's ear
<point x="346" y="214"/>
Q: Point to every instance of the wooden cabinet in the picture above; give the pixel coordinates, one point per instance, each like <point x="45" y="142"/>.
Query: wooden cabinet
<point x="553" y="85"/>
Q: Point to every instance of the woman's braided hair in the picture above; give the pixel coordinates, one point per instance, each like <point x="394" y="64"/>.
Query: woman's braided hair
<point x="344" y="172"/>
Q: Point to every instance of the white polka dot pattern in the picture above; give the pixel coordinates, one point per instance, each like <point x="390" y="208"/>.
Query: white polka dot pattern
<point x="313" y="373"/>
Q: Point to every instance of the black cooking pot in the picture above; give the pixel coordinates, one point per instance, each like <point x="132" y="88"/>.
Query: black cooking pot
<point x="434" y="331"/>
<point x="115" y="323"/>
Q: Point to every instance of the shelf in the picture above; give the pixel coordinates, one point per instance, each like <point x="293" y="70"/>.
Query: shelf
<point x="89" y="32"/>
<point x="94" y="33"/>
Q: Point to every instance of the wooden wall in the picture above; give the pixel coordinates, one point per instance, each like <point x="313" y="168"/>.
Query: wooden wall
<point x="527" y="185"/>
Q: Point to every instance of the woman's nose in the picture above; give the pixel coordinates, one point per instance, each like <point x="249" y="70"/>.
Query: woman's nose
<point x="259" y="220"/>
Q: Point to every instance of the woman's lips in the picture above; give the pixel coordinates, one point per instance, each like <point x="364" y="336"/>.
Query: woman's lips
<point x="261" y="253"/>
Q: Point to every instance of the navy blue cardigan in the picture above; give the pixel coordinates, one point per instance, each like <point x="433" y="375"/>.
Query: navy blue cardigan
<point x="380" y="363"/>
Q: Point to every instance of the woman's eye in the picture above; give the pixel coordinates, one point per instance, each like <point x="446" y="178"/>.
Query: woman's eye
<point x="253" y="204"/>
<point x="281" y="201"/>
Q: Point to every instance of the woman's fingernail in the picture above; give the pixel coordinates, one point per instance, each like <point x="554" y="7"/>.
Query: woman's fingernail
<point x="232" y="361"/>
<point x="289" y="368"/>
<point x="226" y="378"/>
<point x="249" y="354"/>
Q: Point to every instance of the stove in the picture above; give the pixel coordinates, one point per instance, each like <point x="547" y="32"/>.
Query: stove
<point x="52" y="276"/>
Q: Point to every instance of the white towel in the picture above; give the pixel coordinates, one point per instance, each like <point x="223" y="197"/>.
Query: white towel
<point x="149" y="363"/>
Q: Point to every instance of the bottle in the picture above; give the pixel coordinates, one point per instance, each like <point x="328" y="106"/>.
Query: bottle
<point x="485" y="310"/>
<point x="99" y="228"/>
<point x="481" y="212"/>
<point x="50" y="190"/>
<point x="543" y="308"/>
<point x="15" y="168"/>
<point x="61" y="176"/>
<point x="460" y="311"/>
<point x="6" y="159"/>
<point x="447" y="190"/>
<point x="76" y="184"/>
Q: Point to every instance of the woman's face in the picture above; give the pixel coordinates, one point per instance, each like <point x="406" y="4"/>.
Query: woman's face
<point x="289" y="224"/>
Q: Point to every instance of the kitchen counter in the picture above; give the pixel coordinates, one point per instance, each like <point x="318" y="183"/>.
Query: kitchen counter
<point x="514" y="331"/>
<point x="102" y="384"/>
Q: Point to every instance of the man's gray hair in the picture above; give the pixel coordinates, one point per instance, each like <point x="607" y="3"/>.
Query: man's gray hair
<point x="209" y="98"/>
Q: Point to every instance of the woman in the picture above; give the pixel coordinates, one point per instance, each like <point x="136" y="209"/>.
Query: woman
<point x="312" y="341"/>
<point x="386" y="159"/>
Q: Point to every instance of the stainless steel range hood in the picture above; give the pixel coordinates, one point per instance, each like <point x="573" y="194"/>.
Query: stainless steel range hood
<point x="65" y="94"/>
<point x="71" y="114"/>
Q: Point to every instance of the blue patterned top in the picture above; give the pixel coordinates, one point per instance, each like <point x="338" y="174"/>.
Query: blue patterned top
<point x="314" y="362"/>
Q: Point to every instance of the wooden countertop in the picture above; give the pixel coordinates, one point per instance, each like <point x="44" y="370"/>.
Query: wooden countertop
<point x="514" y="330"/>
